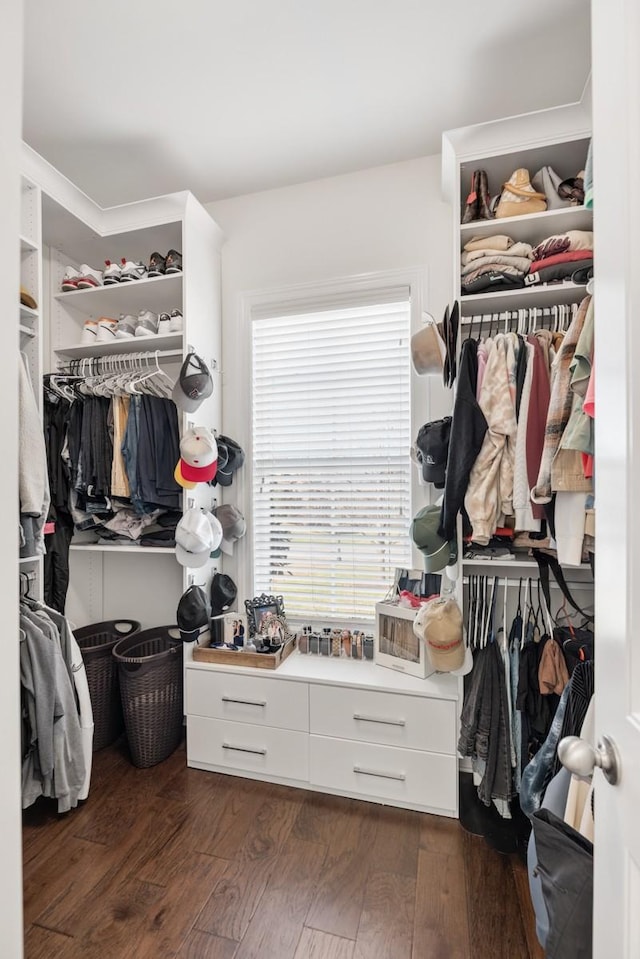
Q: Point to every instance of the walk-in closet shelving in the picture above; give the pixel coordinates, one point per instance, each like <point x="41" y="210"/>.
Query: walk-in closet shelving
<point x="107" y="582"/>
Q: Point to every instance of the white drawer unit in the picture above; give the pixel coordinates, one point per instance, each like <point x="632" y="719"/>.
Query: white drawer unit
<point x="385" y="773"/>
<point x="247" y="699"/>
<point x="259" y="750"/>
<point x="413" y="722"/>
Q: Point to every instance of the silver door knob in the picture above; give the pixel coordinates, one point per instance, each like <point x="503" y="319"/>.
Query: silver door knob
<point x="579" y="757"/>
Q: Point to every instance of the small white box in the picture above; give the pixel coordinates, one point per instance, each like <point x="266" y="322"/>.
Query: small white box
<point x="395" y="643"/>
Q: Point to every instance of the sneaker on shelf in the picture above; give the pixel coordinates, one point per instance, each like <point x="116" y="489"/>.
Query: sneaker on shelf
<point x="173" y="262"/>
<point x="89" y="335"/>
<point x="89" y="278"/>
<point x="177" y="323"/>
<point x="164" y="325"/>
<point x="148" y="323"/>
<point x="132" y="271"/>
<point x="112" y="273"/>
<point x="127" y="325"/>
<point x="107" y="329"/>
<point x="157" y="264"/>
<point x="70" y="280"/>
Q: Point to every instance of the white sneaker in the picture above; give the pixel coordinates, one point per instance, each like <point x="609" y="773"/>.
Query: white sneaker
<point x="112" y="273"/>
<point x="107" y="329"/>
<point x="177" y="322"/>
<point x="126" y="326"/>
<point x="164" y="325"/>
<point x="89" y="335"/>
<point x="88" y="278"/>
<point x="132" y="271"/>
<point x="70" y="280"/>
<point x="148" y="323"/>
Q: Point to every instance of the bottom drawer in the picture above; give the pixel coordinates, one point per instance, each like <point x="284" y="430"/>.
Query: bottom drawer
<point x="259" y="749"/>
<point x="384" y="772"/>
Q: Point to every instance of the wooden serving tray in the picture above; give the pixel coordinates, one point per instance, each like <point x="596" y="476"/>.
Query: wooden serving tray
<point x="229" y="657"/>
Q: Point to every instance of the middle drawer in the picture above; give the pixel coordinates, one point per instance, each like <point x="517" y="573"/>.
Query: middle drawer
<point x="248" y="699"/>
<point x="393" y="719"/>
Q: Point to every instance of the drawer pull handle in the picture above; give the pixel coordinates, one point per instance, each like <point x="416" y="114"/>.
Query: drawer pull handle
<point x="400" y="777"/>
<point x="376" y="719"/>
<point x="245" y="749"/>
<point x="244" y="702"/>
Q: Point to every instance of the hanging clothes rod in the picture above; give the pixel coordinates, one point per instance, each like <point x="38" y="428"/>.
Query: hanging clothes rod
<point x="501" y="581"/>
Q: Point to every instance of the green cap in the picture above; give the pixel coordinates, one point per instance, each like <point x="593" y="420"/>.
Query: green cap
<point x="436" y="551"/>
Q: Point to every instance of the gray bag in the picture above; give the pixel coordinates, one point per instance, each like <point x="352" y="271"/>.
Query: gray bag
<point x="547" y="181"/>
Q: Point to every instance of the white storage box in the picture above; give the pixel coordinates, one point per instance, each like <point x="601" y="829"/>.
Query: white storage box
<point x="395" y="643"/>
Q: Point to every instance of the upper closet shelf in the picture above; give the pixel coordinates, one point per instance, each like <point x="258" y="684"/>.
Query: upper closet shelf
<point x="27" y="245"/>
<point x="137" y="344"/>
<point x="532" y="228"/>
<point x="162" y="293"/>
<point x="551" y="294"/>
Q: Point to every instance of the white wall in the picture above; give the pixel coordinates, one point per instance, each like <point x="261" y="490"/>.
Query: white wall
<point x="10" y="816"/>
<point x="385" y="218"/>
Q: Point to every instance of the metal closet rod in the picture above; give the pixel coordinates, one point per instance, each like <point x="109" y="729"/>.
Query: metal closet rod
<point x="510" y="316"/>
<point x="501" y="581"/>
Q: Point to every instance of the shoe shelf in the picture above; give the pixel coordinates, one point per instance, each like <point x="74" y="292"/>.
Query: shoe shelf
<point x="27" y="245"/>
<point x="532" y="228"/>
<point x="165" y="342"/>
<point x="26" y="313"/>
<point x="160" y="294"/>
<point x="529" y="296"/>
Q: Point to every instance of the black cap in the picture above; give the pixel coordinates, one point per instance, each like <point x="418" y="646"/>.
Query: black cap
<point x="231" y="460"/>
<point x="223" y="593"/>
<point x="432" y="447"/>
<point x="193" y="613"/>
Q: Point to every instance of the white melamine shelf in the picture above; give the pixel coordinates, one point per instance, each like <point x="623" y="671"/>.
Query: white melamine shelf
<point x="27" y="245"/>
<point x="529" y="296"/>
<point x="532" y="228"/>
<point x="26" y="313"/>
<point x="30" y="559"/>
<point x="137" y="344"/>
<point x="142" y="550"/>
<point x="26" y="331"/>
<point x="160" y="294"/>
<point x="516" y="564"/>
<point x="329" y="670"/>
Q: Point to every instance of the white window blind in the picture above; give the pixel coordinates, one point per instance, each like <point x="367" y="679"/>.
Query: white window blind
<point x="331" y="465"/>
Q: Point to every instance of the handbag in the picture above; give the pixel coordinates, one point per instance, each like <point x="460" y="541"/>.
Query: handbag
<point x="519" y="198"/>
<point x="547" y="181"/>
<point x="577" y="642"/>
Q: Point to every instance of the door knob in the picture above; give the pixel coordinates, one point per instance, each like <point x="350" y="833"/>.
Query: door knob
<point x="580" y="757"/>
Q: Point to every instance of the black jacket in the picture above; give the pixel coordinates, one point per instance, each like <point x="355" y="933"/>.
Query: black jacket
<point x="467" y="434"/>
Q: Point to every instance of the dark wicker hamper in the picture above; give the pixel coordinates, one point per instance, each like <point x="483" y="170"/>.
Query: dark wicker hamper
<point x="150" y="671"/>
<point x="96" y="642"/>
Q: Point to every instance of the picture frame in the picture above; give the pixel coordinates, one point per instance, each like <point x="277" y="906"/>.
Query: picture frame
<point x="260" y="607"/>
<point x="235" y="628"/>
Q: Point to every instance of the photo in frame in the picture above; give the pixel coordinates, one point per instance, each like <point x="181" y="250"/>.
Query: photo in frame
<point x="259" y="608"/>
<point x="235" y="629"/>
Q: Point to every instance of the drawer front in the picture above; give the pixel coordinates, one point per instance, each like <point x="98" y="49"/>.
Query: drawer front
<point x="385" y="773"/>
<point x="387" y="718"/>
<point x="262" y="750"/>
<point x="247" y="699"/>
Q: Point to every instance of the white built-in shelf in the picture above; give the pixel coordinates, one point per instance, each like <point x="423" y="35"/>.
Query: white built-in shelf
<point x="160" y="294"/>
<point x="137" y="344"/>
<point x="27" y="245"/>
<point x="532" y="228"/>
<point x="116" y="548"/>
<point x="30" y="559"/>
<point x="548" y="294"/>
<point x="515" y="563"/>
<point x="26" y="331"/>
<point x="26" y="313"/>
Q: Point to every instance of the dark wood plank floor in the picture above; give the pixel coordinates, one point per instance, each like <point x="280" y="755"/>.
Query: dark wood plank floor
<point x="174" y="863"/>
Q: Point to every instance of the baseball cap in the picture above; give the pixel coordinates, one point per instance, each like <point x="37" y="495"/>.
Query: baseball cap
<point x="233" y="526"/>
<point x="194" y="384"/>
<point x="436" y="551"/>
<point x="198" y="457"/>
<point x="195" y="539"/>
<point x="223" y="593"/>
<point x="193" y="614"/>
<point x="432" y="448"/>
<point x="26" y="299"/>
<point x="233" y="456"/>
<point x="439" y="624"/>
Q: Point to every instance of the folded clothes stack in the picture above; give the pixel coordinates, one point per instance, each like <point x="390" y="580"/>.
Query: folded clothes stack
<point x="494" y="263"/>
<point x="563" y="256"/>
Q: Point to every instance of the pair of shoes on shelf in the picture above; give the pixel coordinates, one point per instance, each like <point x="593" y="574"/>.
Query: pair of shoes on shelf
<point x="83" y="279"/>
<point x="161" y="265"/>
<point x="123" y="272"/>
<point x="98" y="331"/>
<point x="148" y="323"/>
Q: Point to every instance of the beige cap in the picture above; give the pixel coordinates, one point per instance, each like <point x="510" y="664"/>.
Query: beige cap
<point x="439" y="624"/>
<point x="428" y="349"/>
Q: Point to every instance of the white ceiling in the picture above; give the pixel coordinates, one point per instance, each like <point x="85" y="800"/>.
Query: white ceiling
<point x="138" y="98"/>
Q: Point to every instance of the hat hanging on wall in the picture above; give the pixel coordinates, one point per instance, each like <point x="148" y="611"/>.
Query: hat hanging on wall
<point x="194" y="384"/>
<point x="193" y="614"/>
<point x="439" y="624"/>
<point x="223" y="593"/>
<point x="450" y="337"/>
<point x="198" y="457"/>
<point x="436" y="551"/>
<point x="230" y="459"/>
<point x="233" y="527"/>
<point x="432" y="450"/>
<point x="427" y="348"/>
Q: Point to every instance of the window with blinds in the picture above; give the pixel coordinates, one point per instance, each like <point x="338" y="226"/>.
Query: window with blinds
<point x="331" y="467"/>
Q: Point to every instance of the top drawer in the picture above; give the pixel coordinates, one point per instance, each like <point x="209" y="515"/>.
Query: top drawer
<point x="389" y="718"/>
<point x="247" y="699"/>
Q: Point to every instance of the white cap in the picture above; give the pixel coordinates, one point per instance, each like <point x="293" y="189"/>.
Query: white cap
<point x="198" y="447"/>
<point x="194" y="539"/>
